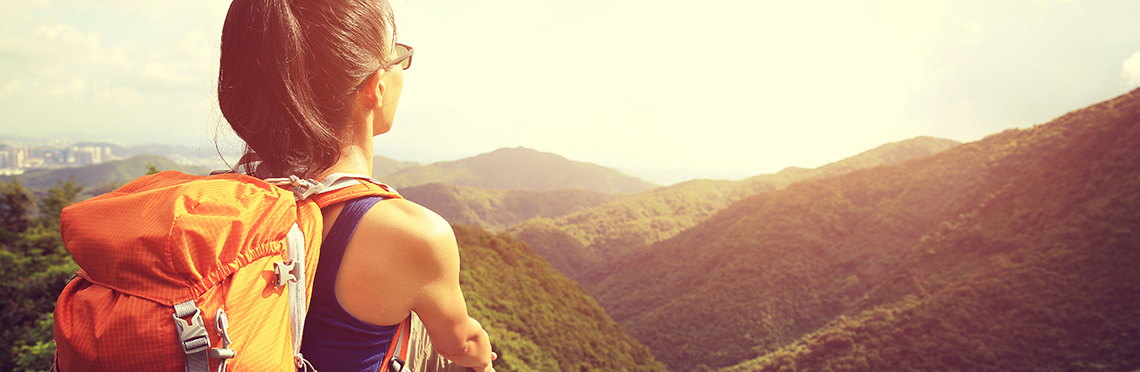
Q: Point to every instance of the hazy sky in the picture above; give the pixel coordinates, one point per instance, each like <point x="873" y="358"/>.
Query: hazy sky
<point x="714" y="89"/>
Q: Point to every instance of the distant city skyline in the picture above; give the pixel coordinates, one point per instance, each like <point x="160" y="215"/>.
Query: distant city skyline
<point x="659" y="89"/>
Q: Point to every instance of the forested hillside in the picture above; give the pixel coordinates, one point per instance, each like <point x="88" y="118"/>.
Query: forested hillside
<point x="496" y="209"/>
<point x="538" y="319"/>
<point x="583" y="239"/>
<point x="1016" y="252"/>
<point x="1038" y="272"/>
<point x="520" y="169"/>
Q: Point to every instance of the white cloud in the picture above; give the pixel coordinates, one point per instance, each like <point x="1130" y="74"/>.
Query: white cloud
<point x="170" y="73"/>
<point x="121" y="96"/>
<point x="745" y="86"/>
<point x="11" y="86"/>
<point x="974" y="35"/>
<point x="75" y="86"/>
<point x="58" y="59"/>
<point x="1131" y="70"/>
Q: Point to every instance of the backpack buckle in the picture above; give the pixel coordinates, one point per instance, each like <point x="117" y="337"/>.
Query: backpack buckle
<point x="285" y="272"/>
<point x="192" y="334"/>
<point x="302" y="188"/>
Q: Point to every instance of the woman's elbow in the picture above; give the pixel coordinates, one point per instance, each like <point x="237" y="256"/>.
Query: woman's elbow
<point x="468" y="342"/>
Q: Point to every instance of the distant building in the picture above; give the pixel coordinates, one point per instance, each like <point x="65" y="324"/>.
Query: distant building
<point x="31" y="163"/>
<point x="13" y="157"/>
<point x="86" y="155"/>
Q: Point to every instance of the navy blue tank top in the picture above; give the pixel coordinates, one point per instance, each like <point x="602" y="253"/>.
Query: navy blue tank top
<point x="334" y="340"/>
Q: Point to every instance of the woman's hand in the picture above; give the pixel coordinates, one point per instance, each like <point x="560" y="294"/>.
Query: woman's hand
<point x="490" y="366"/>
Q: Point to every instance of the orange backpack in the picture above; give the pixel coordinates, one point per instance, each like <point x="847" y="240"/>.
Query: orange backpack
<point x="197" y="273"/>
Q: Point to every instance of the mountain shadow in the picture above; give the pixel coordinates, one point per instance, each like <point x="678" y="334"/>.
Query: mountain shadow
<point x="1015" y="252"/>
<point x="633" y="222"/>
<point x="520" y="169"/>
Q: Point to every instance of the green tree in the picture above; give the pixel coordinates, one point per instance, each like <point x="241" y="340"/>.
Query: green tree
<point x="36" y="351"/>
<point x="64" y="193"/>
<point x="151" y="168"/>
<point x="15" y="203"/>
<point x="34" y="268"/>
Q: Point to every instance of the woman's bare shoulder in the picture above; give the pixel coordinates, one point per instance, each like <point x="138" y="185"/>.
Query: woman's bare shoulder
<point x="408" y="233"/>
<point x="403" y="246"/>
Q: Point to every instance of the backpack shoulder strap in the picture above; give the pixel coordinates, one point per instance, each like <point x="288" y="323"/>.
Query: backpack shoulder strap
<point x="341" y="187"/>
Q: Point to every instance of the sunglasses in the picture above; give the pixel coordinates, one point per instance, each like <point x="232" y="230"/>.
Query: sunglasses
<point x="403" y="57"/>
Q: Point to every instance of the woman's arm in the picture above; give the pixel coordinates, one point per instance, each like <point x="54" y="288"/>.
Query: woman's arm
<point x="401" y="236"/>
<point x="454" y="334"/>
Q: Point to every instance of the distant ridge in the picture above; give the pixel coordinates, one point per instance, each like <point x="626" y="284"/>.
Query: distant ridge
<point x="890" y="153"/>
<point x="382" y="166"/>
<point x="520" y="169"/>
<point x="496" y="209"/>
<point x="577" y="241"/>
<point x="113" y="172"/>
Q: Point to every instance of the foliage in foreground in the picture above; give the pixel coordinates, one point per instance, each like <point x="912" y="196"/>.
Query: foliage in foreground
<point x="538" y="319"/>
<point x="34" y="268"/>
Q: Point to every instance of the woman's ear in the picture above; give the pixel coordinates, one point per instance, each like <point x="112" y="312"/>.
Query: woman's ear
<point x="373" y="89"/>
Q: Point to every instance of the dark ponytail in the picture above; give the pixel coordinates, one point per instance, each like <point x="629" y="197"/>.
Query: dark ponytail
<point x="288" y="71"/>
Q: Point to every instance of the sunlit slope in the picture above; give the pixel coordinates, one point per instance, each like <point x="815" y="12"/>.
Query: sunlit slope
<point x="635" y="221"/>
<point x="496" y="209"/>
<point x="1021" y="247"/>
<point x="520" y="169"/>
<point x="538" y="319"/>
<point x="1038" y="272"/>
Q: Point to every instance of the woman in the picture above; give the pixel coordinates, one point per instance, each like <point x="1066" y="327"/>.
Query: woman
<point x="307" y="84"/>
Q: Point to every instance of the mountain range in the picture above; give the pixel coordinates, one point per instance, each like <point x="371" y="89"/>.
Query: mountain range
<point x="519" y="169"/>
<point x="1015" y="252"/>
<point x="579" y="240"/>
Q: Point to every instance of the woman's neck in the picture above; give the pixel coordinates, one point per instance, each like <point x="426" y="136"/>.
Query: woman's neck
<point x="355" y="155"/>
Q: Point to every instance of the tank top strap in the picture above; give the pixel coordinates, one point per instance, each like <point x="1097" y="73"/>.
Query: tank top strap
<point x="332" y="249"/>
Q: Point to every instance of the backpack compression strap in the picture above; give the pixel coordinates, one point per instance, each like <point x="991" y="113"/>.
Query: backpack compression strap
<point x="396" y="358"/>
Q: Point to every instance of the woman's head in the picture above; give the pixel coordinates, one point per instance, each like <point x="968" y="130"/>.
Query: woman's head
<point x="289" y="73"/>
